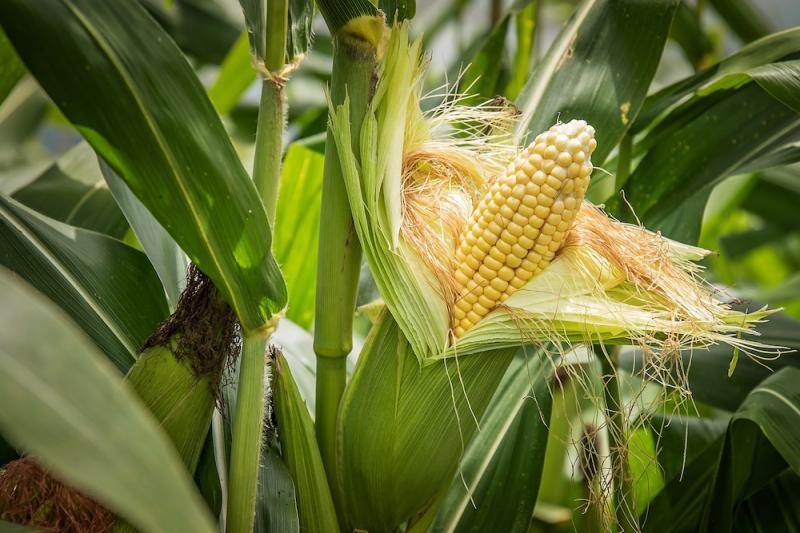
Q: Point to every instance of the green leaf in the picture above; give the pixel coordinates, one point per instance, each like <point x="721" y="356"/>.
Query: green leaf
<point x="482" y="75"/>
<point x="498" y="480"/>
<point x="769" y="418"/>
<point x="744" y="18"/>
<point x="11" y="68"/>
<point x="598" y="69"/>
<point x="297" y="229"/>
<point x="8" y="527"/>
<point x="712" y="138"/>
<point x="167" y="258"/>
<point x="687" y="31"/>
<point x="770" y="48"/>
<point x="708" y="379"/>
<point x="64" y="403"/>
<point x="776" y="507"/>
<point x="301" y="18"/>
<point x="402" y="427"/>
<point x="236" y="74"/>
<point x="398" y="10"/>
<point x="144" y="110"/>
<point x="300" y="452"/>
<point x="106" y="287"/>
<point x="276" y="507"/>
<point x="72" y="190"/>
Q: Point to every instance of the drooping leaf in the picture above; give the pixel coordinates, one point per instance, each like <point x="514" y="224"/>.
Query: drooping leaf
<point x="106" y="287"/>
<point x="598" y="69"/>
<point x="769" y="49"/>
<point x="767" y="422"/>
<point x="72" y="190"/>
<point x="172" y="152"/>
<point x="498" y="479"/>
<point x="167" y="258"/>
<point x="297" y="229"/>
<point x="65" y="404"/>
<point x="300" y="452"/>
<point x="712" y="138"/>
<point x="776" y="507"/>
<point x="402" y="427"/>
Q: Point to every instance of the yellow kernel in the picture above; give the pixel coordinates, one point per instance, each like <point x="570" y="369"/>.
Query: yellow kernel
<point x="540" y="249"/>
<point x="519" y="218"/>
<point x="557" y="207"/>
<point x="559" y="173"/>
<point x="458" y="313"/>
<point x="513" y="261"/>
<point x="470" y="298"/>
<point x="554" y="219"/>
<point x="541" y="211"/>
<point x="461" y="277"/>
<point x="498" y="285"/>
<point x="518" y="251"/>
<point x="506" y="212"/>
<point x="473" y="317"/>
<point x="548" y="166"/>
<point x="459" y="331"/>
<point x="531" y="232"/>
<point x="525" y="211"/>
<point x="515" y="230"/>
<point x="486" y="272"/>
<point x="574" y="146"/>
<point x="512" y="202"/>
<point x="479" y="309"/>
<point x="505" y="273"/>
<point x="548" y="191"/>
<point x="472" y="263"/>
<point x="554" y="246"/>
<point x="496" y="254"/>
<point x="483" y="246"/>
<point x="546" y="200"/>
<point x="517" y="283"/>
<point x="548" y="229"/>
<point x="504" y="246"/>
<point x="525" y="242"/>
<point x="493" y="264"/>
<point x="492" y="293"/>
<point x="528" y="266"/>
<point x="544" y="239"/>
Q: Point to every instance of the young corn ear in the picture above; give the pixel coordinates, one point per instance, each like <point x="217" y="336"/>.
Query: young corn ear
<point x="522" y="221"/>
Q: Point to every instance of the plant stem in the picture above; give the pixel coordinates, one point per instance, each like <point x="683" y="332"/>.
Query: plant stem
<point x="354" y="62"/>
<point x="269" y="144"/>
<point x="248" y="426"/>
<point x="272" y="109"/>
<point x="624" y="497"/>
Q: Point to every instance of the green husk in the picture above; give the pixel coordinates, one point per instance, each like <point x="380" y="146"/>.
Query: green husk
<point x="402" y="428"/>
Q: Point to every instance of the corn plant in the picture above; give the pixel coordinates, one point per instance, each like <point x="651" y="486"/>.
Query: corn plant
<point x="487" y="305"/>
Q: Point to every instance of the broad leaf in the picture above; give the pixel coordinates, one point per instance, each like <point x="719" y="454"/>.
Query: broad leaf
<point x="72" y="190"/>
<point x="402" y="427"/>
<point x="767" y="422"/>
<point x="300" y="452"/>
<point x="708" y="377"/>
<point x="235" y="75"/>
<point x="710" y="140"/>
<point x="106" y="287"/>
<point x="172" y="152"/>
<point x="498" y="480"/>
<point x="166" y="257"/>
<point x="766" y="50"/>
<point x="297" y="229"/>
<point x="11" y="68"/>
<point x="598" y="69"/>
<point x="276" y="504"/>
<point x="65" y="404"/>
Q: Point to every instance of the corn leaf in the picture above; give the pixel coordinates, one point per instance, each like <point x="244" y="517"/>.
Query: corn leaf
<point x="707" y="379"/>
<point x="65" y="404"/>
<point x="108" y="288"/>
<point x="235" y="75"/>
<point x="766" y="50"/>
<point x="297" y="229"/>
<point x="11" y="68"/>
<point x="498" y="480"/>
<point x="610" y="93"/>
<point x="708" y="140"/>
<point x="776" y="507"/>
<point x="173" y="152"/>
<point x="167" y="258"/>
<point x="72" y="190"/>
<point x="402" y="428"/>
<point x="338" y="13"/>
<point x="276" y="506"/>
<point x="300" y="452"/>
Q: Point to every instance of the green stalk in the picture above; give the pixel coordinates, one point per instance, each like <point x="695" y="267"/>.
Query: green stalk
<point x="624" y="501"/>
<point x="269" y="144"/>
<point x="339" y="259"/>
<point x="248" y="426"/>
<point x="272" y="109"/>
<point x="248" y="422"/>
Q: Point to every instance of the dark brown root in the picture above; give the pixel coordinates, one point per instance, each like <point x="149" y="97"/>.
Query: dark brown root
<point x="31" y="497"/>
<point x="203" y="330"/>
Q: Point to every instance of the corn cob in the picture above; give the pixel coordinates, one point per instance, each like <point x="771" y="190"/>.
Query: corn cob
<point x="521" y="222"/>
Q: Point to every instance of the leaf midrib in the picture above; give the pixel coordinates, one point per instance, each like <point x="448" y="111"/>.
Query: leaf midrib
<point x="180" y="179"/>
<point x="59" y="266"/>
